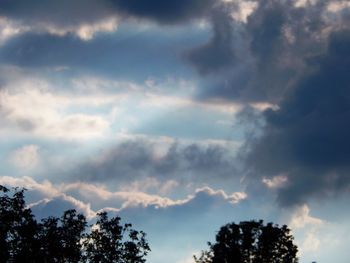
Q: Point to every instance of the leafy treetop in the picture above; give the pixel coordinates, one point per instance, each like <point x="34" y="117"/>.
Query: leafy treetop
<point x="65" y="239"/>
<point x="251" y="242"/>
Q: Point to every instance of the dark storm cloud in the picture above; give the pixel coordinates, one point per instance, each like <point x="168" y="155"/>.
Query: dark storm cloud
<point x="293" y="61"/>
<point x="263" y="58"/>
<point x="59" y="13"/>
<point x="282" y="37"/>
<point x="136" y="160"/>
<point x="307" y="138"/>
<point x="164" y="11"/>
<point x="75" y="12"/>
<point x="218" y="53"/>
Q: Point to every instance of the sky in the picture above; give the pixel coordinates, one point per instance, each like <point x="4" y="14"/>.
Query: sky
<point x="181" y="116"/>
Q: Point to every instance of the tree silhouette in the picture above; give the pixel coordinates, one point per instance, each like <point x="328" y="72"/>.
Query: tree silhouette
<point x="60" y="238"/>
<point x="111" y="242"/>
<point x="251" y="242"/>
<point x="64" y="239"/>
<point x="19" y="241"/>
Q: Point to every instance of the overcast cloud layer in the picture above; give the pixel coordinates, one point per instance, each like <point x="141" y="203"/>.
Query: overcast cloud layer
<point x="181" y="111"/>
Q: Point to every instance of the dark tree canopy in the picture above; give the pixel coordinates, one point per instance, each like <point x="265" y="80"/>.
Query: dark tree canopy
<point x="64" y="239"/>
<point x="112" y="242"/>
<point x="251" y="242"/>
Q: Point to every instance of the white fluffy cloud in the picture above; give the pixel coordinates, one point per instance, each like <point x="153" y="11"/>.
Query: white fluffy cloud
<point x="245" y="8"/>
<point x="39" y="107"/>
<point x="338" y="6"/>
<point x="308" y="228"/>
<point x="276" y="181"/>
<point x="301" y="218"/>
<point x="9" y="28"/>
<point x="45" y="193"/>
<point x="84" y="31"/>
<point x="60" y="21"/>
<point x="35" y="110"/>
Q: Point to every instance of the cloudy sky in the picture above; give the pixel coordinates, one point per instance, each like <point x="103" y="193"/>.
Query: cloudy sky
<point x="182" y="116"/>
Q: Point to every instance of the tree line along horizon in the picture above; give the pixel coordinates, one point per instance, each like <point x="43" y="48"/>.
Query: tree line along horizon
<point x="70" y="239"/>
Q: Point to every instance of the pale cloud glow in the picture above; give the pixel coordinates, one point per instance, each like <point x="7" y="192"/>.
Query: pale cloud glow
<point x="85" y="31"/>
<point x="311" y="242"/>
<point x="33" y="108"/>
<point x="338" y="6"/>
<point x="304" y="3"/>
<point x="45" y="188"/>
<point x="276" y="181"/>
<point x="128" y="199"/>
<point x="245" y="8"/>
<point x="41" y="113"/>
<point x="10" y="29"/>
<point x="38" y="107"/>
<point x="302" y="218"/>
<point x="148" y="183"/>
<point x="233" y="198"/>
<point x="26" y="157"/>
<point x="311" y="228"/>
<point x="166" y="101"/>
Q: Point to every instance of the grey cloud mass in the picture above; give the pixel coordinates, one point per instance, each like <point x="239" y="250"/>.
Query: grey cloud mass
<point x="218" y="53"/>
<point x="270" y="51"/>
<point x="298" y="58"/>
<point x="135" y="160"/>
<point x="307" y="138"/>
<point x="79" y="11"/>
<point x="167" y="11"/>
